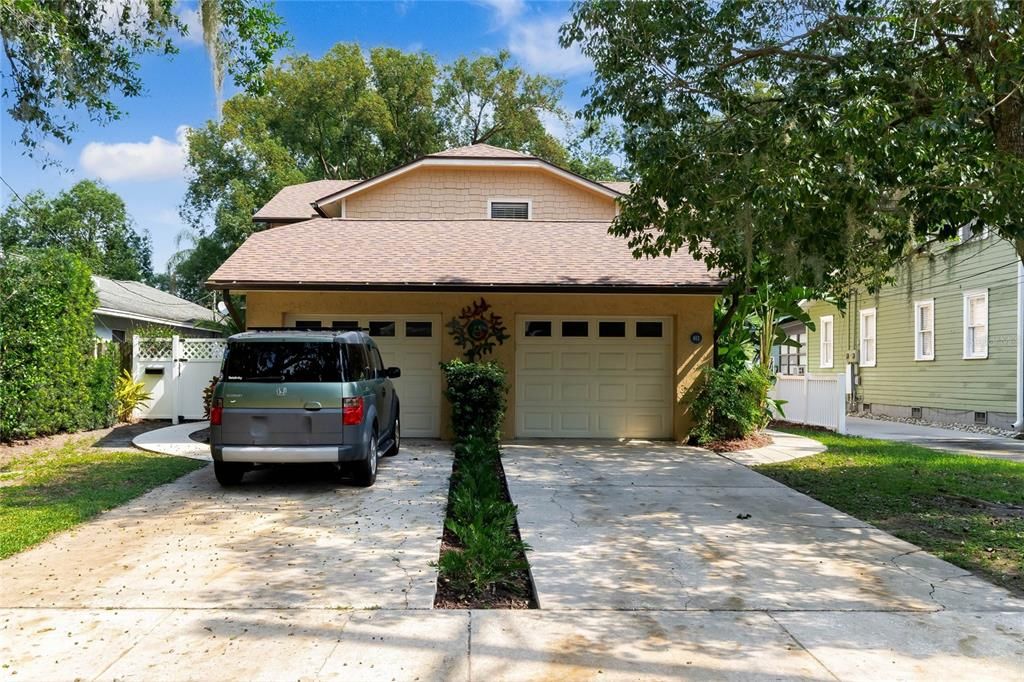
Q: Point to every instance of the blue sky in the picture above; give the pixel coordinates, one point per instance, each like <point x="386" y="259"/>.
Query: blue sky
<point x="140" y="157"/>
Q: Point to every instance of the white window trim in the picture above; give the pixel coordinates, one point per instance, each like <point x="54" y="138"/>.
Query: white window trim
<point x="511" y="200"/>
<point x="868" y="312"/>
<point x="821" y="341"/>
<point x="968" y="295"/>
<point x="918" y="355"/>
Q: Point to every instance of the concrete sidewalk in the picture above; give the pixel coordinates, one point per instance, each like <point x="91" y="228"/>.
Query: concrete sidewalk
<point x="946" y="440"/>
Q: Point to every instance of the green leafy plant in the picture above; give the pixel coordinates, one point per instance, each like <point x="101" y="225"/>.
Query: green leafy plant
<point x="732" y="403"/>
<point x="208" y="396"/>
<point x="478" y="394"/>
<point x="131" y="394"/>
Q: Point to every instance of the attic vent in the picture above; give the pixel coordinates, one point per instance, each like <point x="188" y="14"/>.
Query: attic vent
<point x="981" y="417"/>
<point x="510" y="210"/>
<point x="915" y="412"/>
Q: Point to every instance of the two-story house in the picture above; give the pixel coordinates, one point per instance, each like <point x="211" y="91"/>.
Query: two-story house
<point x="491" y="254"/>
<point x="941" y="344"/>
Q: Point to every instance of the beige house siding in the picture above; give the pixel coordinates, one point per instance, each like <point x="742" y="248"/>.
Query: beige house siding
<point x="462" y="194"/>
<point x="691" y="313"/>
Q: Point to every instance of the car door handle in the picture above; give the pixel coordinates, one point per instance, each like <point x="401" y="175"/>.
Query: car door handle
<point x="313" y="406"/>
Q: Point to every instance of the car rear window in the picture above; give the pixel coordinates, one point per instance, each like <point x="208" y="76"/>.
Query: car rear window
<point x="273" y="361"/>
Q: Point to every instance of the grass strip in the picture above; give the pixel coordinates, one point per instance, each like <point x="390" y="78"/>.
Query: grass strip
<point x="52" y="490"/>
<point x="967" y="510"/>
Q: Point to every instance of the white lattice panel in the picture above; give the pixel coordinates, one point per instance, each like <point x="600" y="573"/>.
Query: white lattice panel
<point x="154" y="349"/>
<point x="201" y="349"/>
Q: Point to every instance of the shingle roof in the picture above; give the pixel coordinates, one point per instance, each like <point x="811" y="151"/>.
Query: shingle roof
<point x="367" y="253"/>
<point x="486" y="151"/>
<point x="293" y="201"/>
<point x="136" y="298"/>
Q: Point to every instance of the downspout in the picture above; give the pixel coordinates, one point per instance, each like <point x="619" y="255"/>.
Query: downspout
<point x="1018" y="425"/>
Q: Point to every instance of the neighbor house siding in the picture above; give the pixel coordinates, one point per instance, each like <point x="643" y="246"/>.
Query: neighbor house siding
<point x="949" y="382"/>
<point x="692" y="313"/>
<point x="462" y="194"/>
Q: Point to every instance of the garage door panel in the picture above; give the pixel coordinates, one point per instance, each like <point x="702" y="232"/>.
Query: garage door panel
<point x="538" y="360"/>
<point x="575" y="360"/>
<point x="576" y="391"/>
<point x="417" y="360"/>
<point x="603" y="386"/>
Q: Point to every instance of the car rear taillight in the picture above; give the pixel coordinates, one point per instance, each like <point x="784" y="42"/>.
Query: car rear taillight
<point x="352" y="411"/>
<point x="217" y="412"/>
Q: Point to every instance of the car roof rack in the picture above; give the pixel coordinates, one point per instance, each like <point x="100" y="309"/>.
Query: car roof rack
<point x="308" y="329"/>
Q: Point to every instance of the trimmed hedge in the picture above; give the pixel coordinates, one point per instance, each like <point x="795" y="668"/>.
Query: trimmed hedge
<point x="478" y="394"/>
<point x="49" y="381"/>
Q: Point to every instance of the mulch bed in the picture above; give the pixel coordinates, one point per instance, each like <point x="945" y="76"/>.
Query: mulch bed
<point x="521" y="596"/>
<point x="782" y="424"/>
<point x="751" y="442"/>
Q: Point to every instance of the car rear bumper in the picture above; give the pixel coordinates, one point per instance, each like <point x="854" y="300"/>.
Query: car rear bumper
<point x="287" y="454"/>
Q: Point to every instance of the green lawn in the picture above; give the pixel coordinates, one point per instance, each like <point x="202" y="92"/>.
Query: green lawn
<point x="966" y="510"/>
<point x="52" y="490"/>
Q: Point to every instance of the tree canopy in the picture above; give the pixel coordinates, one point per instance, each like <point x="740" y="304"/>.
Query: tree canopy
<point x="814" y="143"/>
<point x="345" y="116"/>
<point x="87" y="220"/>
<point x="64" y="57"/>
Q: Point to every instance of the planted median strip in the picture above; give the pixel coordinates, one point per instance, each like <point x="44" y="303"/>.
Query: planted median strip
<point x="483" y="559"/>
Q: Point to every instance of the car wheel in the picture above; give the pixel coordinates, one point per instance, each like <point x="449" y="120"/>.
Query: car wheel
<point x="366" y="471"/>
<point x="396" y="442"/>
<point x="228" y="473"/>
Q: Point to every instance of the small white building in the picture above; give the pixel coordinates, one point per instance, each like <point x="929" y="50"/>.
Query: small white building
<point x="124" y="306"/>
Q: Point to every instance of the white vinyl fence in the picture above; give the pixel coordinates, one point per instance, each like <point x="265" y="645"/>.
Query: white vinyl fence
<point x="815" y="399"/>
<point x="175" y="371"/>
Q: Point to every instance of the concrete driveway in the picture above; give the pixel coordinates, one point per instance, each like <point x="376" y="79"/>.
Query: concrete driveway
<point x="947" y="440"/>
<point x="659" y="536"/>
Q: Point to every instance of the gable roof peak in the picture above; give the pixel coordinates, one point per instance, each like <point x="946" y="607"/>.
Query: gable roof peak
<point x="480" y="150"/>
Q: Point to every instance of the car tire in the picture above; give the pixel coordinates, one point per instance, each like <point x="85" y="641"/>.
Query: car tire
<point x="366" y="470"/>
<point x="228" y="473"/>
<point x="396" y="440"/>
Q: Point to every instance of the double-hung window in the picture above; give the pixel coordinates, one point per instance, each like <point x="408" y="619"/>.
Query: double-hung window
<point x="867" y="337"/>
<point x="825" y="328"/>
<point x="924" y="330"/>
<point x="976" y="324"/>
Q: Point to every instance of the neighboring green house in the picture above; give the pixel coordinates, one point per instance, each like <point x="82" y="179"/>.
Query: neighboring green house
<point x="940" y="344"/>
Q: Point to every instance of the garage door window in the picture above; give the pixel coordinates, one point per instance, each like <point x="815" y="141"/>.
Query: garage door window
<point x="648" y="330"/>
<point x="345" y="325"/>
<point x="538" y="328"/>
<point x="307" y="324"/>
<point x="611" y="329"/>
<point x="382" y="328"/>
<point x="575" y="328"/>
<point x="419" y="330"/>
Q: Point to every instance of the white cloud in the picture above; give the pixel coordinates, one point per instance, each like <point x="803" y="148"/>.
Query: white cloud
<point x="535" y="43"/>
<point x="191" y="18"/>
<point x="504" y="10"/>
<point x="157" y="159"/>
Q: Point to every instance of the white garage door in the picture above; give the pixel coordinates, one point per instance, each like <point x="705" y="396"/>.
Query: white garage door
<point x="411" y="343"/>
<point x="594" y="377"/>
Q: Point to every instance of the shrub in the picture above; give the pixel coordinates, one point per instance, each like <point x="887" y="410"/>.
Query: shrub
<point x="732" y="403"/>
<point x="478" y="394"/>
<point x="208" y="396"/>
<point x="130" y="395"/>
<point x="47" y="336"/>
<point x="102" y="386"/>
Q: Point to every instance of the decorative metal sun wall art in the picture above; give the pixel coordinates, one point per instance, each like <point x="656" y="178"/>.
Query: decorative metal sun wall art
<point x="477" y="331"/>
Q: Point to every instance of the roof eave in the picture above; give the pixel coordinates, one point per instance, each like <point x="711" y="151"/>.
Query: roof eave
<point x="264" y="285"/>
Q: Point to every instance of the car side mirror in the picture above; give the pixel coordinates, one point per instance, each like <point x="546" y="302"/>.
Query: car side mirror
<point x="393" y="372"/>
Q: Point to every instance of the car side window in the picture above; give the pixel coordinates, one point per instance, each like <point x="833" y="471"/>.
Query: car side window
<point x="376" y="362"/>
<point x="357" y="365"/>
